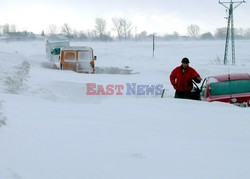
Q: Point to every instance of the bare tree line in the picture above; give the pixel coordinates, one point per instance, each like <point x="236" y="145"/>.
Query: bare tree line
<point x="121" y="26"/>
<point x="123" y="30"/>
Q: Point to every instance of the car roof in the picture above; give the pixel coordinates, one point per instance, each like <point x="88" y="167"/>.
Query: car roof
<point x="232" y="76"/>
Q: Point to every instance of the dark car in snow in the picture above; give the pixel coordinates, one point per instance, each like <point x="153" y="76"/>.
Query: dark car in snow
<point x="229" y="88"/>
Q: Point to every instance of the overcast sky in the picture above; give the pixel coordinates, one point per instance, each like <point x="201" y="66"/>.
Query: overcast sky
<point x="160" y="16"/>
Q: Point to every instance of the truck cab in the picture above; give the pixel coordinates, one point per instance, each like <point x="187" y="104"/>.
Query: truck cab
<point x="53" y="49"/>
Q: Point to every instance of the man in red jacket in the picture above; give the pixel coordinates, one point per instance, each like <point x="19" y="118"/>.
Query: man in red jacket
<point x="181" y="79"/>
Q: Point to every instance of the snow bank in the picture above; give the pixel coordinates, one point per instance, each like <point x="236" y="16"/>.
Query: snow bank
<point x="2" y="117"/>
<point x="55" y="130"/>
<point x="15" y="81"/>
<point x="113" y="70"/>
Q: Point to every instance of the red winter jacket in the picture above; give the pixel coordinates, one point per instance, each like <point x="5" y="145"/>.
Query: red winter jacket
<point x="181" y="79"/>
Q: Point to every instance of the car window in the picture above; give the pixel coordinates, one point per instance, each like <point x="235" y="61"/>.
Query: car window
<point x="229" y="87"/>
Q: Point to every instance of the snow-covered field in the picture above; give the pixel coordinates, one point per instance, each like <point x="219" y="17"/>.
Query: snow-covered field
<point x="50" y="128"/>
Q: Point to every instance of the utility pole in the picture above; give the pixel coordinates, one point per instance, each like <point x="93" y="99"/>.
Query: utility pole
<point x="230" y="27"/>
<point x="136" y="33"/>
<point x="153" y="45"/>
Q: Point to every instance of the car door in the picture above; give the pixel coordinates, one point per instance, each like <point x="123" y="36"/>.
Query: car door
<point x="204" y="89"/>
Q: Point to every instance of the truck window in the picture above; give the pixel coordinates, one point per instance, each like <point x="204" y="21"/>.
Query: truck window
<point x="70" y="56"/>
<point x="84" y="55"/>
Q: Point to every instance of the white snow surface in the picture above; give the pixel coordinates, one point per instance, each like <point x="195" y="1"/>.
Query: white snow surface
<point x="50" y="128"/>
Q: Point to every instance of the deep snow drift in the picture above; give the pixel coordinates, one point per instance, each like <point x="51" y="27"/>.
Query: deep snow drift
<point x="54" y="130"/>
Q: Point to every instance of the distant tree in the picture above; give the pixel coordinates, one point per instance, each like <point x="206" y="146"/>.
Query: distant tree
<point x="173" y="36"/>
<point x="220" y="33"/>
<point x="6" y="28"/>
<point x="239" y="33"/>
<point x="66" y="29"/>
<point x="82" y="35"/>
<point x="193" y="31"/>
<point x="74" y="34"/>
<point x="207" y="36"/>
<point x="107" y="37"/>
<point x="100" y="27"/>
<point x="91" y="34"/>
<point x="13" y="28"/>
<point x="25" y="33"/>
<point x="42" y="33"/>
<point x="126" y="27"/>
<point x="176" y="34"/>
<point x="247" y="33"/>
<point x="123" y="27"/>
<point x="142" y="35"/>
<point x="52" y="30"/>
<point x="118" y="27"/>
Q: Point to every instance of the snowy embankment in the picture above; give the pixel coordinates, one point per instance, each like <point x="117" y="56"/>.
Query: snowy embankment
<point x="54" y="130"/>
<point x="2" y="118"/>
<point x="12" y="77"/>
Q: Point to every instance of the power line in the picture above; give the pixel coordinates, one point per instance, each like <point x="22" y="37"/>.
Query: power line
<point x="230" y="27"/>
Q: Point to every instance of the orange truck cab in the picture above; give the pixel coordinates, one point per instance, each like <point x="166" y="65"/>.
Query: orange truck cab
<point x="78" y="59"/>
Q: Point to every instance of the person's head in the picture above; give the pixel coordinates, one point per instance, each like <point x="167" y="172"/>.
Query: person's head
<point x="185" y="62"/>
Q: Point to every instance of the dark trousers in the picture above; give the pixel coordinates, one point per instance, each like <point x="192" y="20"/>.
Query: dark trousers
<point x="183" y="94"/>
